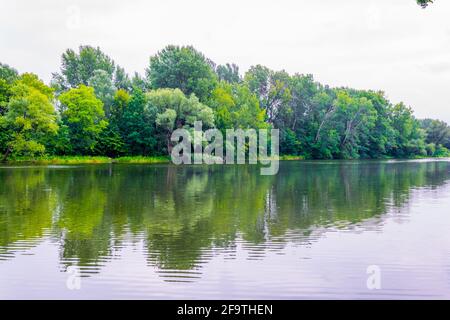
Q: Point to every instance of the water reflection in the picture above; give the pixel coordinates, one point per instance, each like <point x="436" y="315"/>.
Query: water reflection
<point x="184" y="216"/>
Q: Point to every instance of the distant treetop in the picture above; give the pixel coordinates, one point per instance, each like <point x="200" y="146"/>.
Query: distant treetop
<point x="424" y="3"/>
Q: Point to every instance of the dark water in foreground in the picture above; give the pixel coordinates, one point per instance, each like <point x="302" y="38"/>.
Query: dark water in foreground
<point x="162" y="231"/>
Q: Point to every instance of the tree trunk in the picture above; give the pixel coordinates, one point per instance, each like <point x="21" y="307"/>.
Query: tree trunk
<point x="318" y="130"/>
<point x="169" y="145"/>
<point x="325" y="118"/>
<point x="7" y="153"/>
<point x="347" y="132"/>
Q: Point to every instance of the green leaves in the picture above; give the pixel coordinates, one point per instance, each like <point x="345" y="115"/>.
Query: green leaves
<point x="272" y="89"/>
<point x="117" y="115"/>
<point x="357" y="117"/>
<point x="78" y="68"/>
<point x="30" y="116"/>
<point x="235" y="106"/>
<point x="104" y="89"/>
<point x="167" y="119"/>
<point x="7" y="76"/>
<point x="83" y="114"/>
<point x="228" y="73"/>
<point x="184" y="68"/>
<point x="175" y="109"/>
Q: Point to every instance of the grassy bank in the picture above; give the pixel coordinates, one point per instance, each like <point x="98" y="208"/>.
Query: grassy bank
<point x="73" y="160"/>
<point x="49" y="160"/>
<point x="59" y="160"/>
<point x="84" y="160"/>
<point x="291" y="158"/>
<point x="142" y="160"/>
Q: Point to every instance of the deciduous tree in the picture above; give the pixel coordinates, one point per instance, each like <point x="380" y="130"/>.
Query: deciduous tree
<point x="30" y="118"/>
<point x="175" y="110"/>
<point x="82" y="112"/>
<point x="183" y="68"/>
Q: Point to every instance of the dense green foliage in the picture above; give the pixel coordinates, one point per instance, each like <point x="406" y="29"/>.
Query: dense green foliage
<point x="30" y="118"/>
<point x="7" y="77"/>
<point x="184" y="68"/>
<point x="174" y="110"/>
<point x="82" y="113"/>
<point x="101" y="111"/>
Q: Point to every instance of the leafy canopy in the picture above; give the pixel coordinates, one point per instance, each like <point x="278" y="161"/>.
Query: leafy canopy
<point x="30" y="116"/>
<point x="183" y="68"/>
<point x="82" y="112"/>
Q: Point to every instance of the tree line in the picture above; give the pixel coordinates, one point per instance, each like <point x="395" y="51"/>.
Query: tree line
<point x="93" y="107"/>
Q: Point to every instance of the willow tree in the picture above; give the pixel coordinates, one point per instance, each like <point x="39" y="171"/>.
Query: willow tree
<point x="175" y="110"/>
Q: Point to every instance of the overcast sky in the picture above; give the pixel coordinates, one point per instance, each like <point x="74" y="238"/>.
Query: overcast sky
<point x="393" y="46"/>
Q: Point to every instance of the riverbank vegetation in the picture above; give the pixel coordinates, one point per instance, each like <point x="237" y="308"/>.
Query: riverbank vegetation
<point x="92" y="107"/>
<point x="49" y="160"/>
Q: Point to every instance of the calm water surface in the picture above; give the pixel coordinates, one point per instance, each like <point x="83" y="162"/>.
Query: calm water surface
<point x="162" y="231"/>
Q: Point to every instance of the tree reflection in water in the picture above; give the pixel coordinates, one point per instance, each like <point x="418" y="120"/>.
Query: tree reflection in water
<point x="185" y="215"/>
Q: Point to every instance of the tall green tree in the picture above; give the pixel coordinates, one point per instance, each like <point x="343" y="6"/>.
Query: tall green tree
<point x="228" y="73"/>
<point x="183" y="68"/>
<point x="104" y="89"/>
<point x="122" y="80"/>
<point x="438" y="132"/>
<point x="7" y="77"/>
<point x="87" y="66"/>
<point x="8" y="73"/>
<point x="354" y="118"/>
<point x="82" y="112"/>
<point x="111" y="141"/>
<point x="235" y="106"/>
<point x="271" y="87"/>
<point x="409" y="137"/>
<point x="139" y="83"/>
<point x="381" y="138"/>
<point x="136" y="123"/>
<point x="296" y="119"/>
<point x="30" y="117"/>
<point x="175" y="110"/>
<point x="78" y="68"/>
<point x="318" y="132"/>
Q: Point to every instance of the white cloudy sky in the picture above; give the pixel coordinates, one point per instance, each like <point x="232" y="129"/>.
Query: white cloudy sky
<point x="387" y="45"/>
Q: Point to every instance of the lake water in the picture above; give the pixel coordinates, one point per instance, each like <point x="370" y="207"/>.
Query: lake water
<point x="213" y="232"/>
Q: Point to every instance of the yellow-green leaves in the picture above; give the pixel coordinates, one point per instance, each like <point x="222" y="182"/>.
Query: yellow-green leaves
<point x="236" y="107"/>
<point x="83" y="113"/>
<point x="31" y="117"/>
<point x="175" y="110"/>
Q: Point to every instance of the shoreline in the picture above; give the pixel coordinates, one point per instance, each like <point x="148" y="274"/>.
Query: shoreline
<point x="85" y="160"/>
<point x="73" y="160"/>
